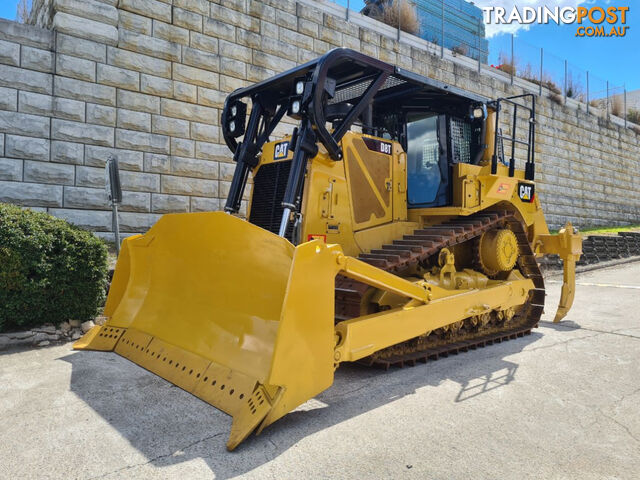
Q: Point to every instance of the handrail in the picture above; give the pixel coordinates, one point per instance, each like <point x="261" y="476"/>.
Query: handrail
<point x="530" y="143"/>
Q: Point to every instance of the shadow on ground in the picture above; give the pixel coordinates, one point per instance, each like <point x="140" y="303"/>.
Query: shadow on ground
<point x="563" y="325"/>
<point x="169" y="426"/>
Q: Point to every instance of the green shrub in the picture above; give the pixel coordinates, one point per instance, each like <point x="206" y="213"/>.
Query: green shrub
<point x="50" y="271"/>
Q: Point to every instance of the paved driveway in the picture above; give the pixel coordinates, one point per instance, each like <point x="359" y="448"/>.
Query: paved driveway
<point x="561" y="403"/>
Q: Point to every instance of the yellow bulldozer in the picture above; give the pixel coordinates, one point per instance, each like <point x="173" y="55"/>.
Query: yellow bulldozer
<point x="391" y="225"/>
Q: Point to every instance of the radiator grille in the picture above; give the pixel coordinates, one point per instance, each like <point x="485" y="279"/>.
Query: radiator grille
<point x="269" y="186"/>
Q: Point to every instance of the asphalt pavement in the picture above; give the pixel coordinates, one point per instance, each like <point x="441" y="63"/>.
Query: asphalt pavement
<point x="562" y="403"/>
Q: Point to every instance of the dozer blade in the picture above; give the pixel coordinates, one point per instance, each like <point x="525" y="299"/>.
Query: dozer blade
<point x="229" y="312"/>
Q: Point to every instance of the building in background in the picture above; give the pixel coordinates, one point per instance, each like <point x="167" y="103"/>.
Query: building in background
<point x="464" y="30"/>
<point x="633" y="100"/>
<point x="630" y="101"/>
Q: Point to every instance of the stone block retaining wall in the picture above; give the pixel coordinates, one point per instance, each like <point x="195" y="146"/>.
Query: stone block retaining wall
<point x="146" y="79"/>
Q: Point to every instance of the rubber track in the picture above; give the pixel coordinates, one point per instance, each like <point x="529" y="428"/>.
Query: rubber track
<point x="419" y="247"/>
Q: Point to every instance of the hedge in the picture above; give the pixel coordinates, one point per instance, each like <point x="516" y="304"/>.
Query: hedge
<point x="50" y="270"/>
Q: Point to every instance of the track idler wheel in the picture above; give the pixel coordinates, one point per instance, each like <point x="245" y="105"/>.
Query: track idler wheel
<point x="497" y="251"/>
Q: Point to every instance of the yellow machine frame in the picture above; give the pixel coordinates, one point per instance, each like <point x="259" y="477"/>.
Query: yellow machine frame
<point x="249" y="366"/>
<point x="257" y="383"/>
<point x="245" y="320"/>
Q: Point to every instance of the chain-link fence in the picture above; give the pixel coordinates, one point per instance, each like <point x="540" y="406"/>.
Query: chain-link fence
<point x="457" y="27"/>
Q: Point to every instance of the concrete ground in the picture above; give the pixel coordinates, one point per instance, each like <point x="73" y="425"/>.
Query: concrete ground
<point x="561" y="403"/>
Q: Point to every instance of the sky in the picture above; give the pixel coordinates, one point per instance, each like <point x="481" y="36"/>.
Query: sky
<point x="8" y="9"/>
<point x="613" y="59"/>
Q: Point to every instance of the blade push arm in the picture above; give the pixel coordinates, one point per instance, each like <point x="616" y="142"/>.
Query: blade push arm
<point x="430" y="307"/>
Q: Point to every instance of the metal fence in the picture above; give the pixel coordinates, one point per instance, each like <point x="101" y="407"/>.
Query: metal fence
<point x="453" y="26"/>
<point x="564" y="80"/>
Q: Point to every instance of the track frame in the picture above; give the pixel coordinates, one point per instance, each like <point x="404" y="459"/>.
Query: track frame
<point x="422" y="246"/>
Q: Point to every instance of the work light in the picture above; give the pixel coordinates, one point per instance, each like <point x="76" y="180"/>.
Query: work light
<point x="297" y="98"/>
<point x="234" y="118"/>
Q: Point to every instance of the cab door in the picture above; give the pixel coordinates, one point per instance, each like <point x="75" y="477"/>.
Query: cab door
<point x="427" y="163"/>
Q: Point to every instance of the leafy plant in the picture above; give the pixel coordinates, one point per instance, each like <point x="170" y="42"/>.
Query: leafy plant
<point x="617" y="107"/>
<point x="510" y="66"/>
<point x="507" y="65"/>
<point x="597" y="103"/>
<point x="460" y="49"/>
<point x="50" y="270"/>
<point x="23" y="10"/>
<point x="633" y="116"/>
<point x="399" y="13"/>
<point x="574" y="88"/>
<point x="557" y="98"/>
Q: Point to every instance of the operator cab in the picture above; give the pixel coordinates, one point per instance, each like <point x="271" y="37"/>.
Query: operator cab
<point x="437" y="125"/>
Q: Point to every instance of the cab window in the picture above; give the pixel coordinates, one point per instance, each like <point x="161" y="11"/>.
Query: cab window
<point x="424" y="176"/>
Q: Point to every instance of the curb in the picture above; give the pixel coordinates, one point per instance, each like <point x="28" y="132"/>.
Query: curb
<point x="47" y="335"/>
<point x="597" y="266"/>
